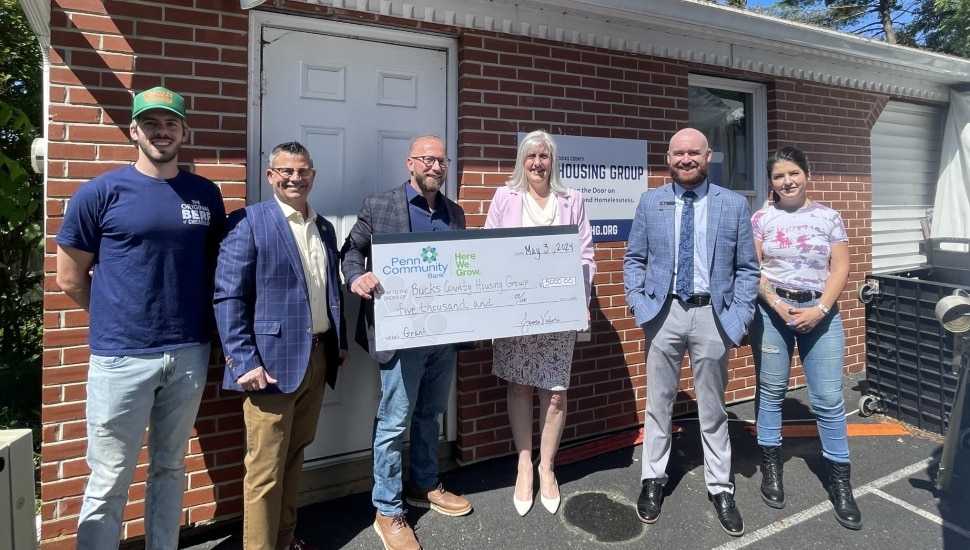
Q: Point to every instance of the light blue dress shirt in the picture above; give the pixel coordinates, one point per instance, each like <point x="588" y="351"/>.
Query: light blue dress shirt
<point x="702" y="276"/>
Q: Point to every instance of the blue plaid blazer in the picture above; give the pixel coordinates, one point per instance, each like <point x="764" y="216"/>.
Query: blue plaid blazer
<point x="261" y="302"/>
<point x="651" y="255"/>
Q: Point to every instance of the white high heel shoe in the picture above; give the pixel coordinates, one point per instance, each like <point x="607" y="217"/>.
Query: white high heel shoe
<point x="521" y="506"/>
<point x="551" y="504"/>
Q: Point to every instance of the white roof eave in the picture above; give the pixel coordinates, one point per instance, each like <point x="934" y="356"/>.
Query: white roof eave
<point x="705" y="32"/>
<point x="754" y="29"/>
<point x="688" y="30"/>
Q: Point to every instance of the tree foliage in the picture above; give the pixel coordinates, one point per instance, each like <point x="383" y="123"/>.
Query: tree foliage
<point x="936" y="25"/>
<point x="20" y="78"/>
<point x="741" y="4"/>
<point x="942" y="26"/>
<point x="21" y="229"/>
<point x="874" y="18"/>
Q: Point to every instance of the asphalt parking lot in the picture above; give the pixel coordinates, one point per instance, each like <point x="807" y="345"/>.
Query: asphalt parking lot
<point x="893" y="477"/>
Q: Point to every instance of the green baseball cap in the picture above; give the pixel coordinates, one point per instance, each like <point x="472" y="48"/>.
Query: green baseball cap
<point x="158" y="98"/>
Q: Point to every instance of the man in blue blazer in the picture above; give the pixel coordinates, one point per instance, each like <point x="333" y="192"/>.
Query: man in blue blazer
<point x="414" y="382"/>
<point x="279" y="310"/>
<point x="691" y="277"/>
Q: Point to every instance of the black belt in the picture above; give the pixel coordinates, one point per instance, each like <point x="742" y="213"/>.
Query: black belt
<point x="695" y="299"/>
<point x="316" y="340"/>
<point x="798" y="295"/>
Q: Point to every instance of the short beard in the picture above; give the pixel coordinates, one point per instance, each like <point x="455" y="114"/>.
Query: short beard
<point x="428" y="184"/>
<point x="157" y="157"/>
<point x="701" y="176"/>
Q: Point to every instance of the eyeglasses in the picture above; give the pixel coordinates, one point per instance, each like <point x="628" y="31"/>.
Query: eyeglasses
<point x="287" y="172"/>
<point x="429" y="161"/>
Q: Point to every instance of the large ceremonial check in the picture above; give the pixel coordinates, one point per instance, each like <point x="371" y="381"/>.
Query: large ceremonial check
<point x="459" y="286"/>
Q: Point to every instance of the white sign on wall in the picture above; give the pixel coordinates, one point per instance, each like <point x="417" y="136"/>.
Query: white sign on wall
<point x="611" y="174"/>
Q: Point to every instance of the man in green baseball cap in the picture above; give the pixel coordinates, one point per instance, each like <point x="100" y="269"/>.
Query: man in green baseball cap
<point x="158" y="98"/>
<point x="158" y="128"/>
<point x="154" y="230"/>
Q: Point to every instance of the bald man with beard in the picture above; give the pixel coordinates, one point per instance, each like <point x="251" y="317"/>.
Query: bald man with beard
<point x="414" y="382"/>
<point x="691" y="276"/>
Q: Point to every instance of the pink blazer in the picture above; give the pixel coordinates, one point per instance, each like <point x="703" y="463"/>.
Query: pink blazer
<point x="506" y="211"/>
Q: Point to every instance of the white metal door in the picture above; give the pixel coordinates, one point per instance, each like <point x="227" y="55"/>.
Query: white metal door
<point x="356" y="104"/>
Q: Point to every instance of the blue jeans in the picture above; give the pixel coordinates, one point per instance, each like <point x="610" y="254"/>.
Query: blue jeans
<point x="415" y="385"/>
<point x="822" y="352"/>
<point x="125" y="394"/>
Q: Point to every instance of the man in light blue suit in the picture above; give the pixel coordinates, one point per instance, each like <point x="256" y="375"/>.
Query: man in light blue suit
<point x="691" y="277"/>
<point x="280" y="315"/>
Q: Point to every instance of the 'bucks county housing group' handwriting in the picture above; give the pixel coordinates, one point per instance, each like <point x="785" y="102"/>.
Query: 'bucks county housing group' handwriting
<point x="480" y="289"/>
<point x="453" y="296"/>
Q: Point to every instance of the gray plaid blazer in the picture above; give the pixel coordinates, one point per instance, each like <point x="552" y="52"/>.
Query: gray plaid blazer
<point x="381" y="213"/>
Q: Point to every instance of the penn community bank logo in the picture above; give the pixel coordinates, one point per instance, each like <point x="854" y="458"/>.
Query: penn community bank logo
<point x="425" y="262"/>
<point x="429" y="254"/>
<point x="428" y="262"/>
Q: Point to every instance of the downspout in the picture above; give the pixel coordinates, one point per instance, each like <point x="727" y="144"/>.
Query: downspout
<point x="38" y="14"/>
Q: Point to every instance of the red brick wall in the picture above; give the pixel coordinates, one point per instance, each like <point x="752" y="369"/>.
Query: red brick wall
<point x="832" y="125"/>
<point x="100" y="50"/>
<point x="511" y="84"/>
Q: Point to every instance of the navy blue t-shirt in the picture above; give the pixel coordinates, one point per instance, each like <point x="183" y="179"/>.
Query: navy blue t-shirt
<point x="155" y="244"/>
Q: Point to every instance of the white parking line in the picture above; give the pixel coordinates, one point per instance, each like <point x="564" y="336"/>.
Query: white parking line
<point x="819" y="509"/>
<point x="921" y="512"/>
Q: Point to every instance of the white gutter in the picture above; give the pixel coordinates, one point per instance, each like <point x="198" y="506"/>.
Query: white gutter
<point x="702" y="32"/>
<point x="687" y="30"/>
<point x="38" y="14"/>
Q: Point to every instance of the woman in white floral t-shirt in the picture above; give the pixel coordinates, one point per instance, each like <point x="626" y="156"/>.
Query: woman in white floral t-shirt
<point x="804" y="252"/>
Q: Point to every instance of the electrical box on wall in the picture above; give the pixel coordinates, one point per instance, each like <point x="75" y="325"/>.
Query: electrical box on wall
<point x="18" y="527"/>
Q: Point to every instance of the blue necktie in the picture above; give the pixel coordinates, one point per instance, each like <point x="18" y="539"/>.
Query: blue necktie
<point x="685" y="254"/>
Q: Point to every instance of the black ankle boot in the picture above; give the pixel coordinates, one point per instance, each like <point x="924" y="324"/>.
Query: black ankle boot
<point x="772" y="488"/>
<point x="840" y="491"/>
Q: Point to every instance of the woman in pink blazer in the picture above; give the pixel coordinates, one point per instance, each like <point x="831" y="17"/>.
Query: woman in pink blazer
<point x="534" y="196"/>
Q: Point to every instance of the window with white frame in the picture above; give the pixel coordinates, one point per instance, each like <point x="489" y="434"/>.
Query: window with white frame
<point x="733" y="116"/>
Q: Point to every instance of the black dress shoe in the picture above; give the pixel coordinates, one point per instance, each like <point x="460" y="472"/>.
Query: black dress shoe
<point x="727" y="513"/>
<point x="650" y="500"/>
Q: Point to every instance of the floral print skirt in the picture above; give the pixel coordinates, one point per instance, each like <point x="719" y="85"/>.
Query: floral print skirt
<point x="539" y="360"/>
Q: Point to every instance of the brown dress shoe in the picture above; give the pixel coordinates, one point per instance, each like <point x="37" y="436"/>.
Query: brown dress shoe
<point x="439" y="500"/>
<point x="395" y="532"/>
